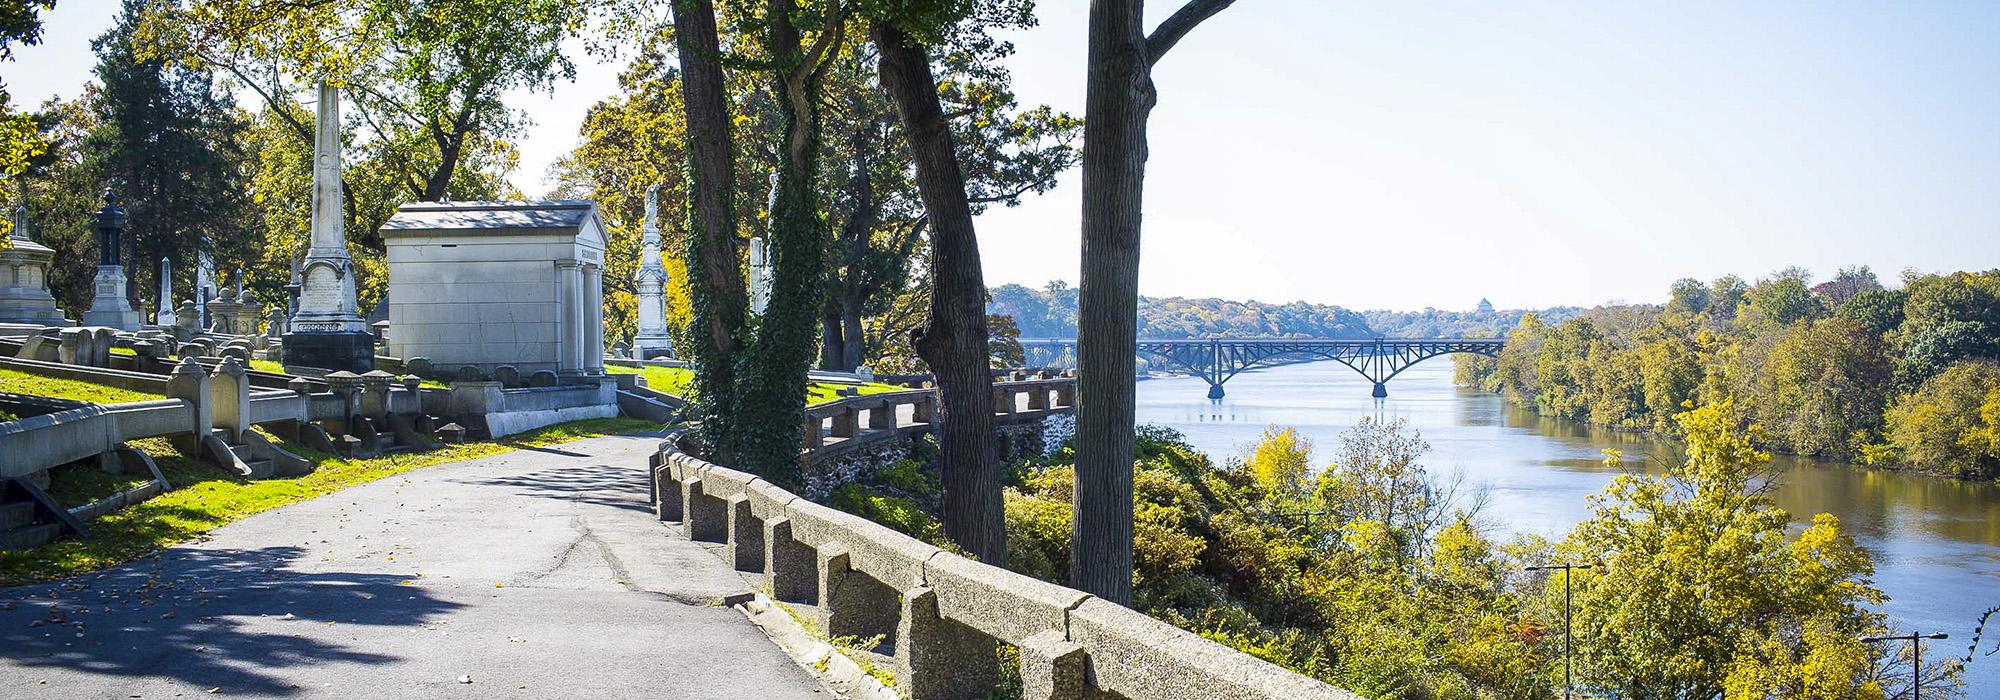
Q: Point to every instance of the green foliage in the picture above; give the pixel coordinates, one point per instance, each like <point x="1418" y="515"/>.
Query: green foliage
<point x="1051" y="313"/>
<point x="1951" y="424"/>
<point x="1279" y="462"/>
<point x="1818" y="366"/>
<point x="1698" y="591"/>
<point x="899" y="514"/>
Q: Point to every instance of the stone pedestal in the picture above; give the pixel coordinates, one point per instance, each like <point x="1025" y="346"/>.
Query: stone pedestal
<point x="110" y="308"/>
<point x="350" y="351"/>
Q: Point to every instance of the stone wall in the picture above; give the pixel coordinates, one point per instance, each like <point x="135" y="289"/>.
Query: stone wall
<point x="942" y="616"/>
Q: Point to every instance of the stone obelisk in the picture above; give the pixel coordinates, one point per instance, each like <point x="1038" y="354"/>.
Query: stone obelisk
<point x="651" y="280"/>
<point x="110" y="307"/>
<point x="328" y="332"/>
<point x="165" y="316"/>
<point x="760" y="277"/>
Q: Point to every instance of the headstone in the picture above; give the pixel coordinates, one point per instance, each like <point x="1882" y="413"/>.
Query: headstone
<point x="274" y="323"/>
<point x="187" y="321"/>
<point x="110" y="307"/>
<point x="166" y="297"/>
<point x="507" y="375"/>
<point x="420" y="366"/>
<point x="542" y="378"/>
<point x="651" y="281"/>
<point x="328" y="332"/>
<point x="25" y="301"/>
<point x="204" y="288"/>
<point x="469" y="373"/>
<point x="760" y="277"/>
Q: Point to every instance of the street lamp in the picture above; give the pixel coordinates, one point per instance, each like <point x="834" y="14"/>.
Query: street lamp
<point x="1916" y="655"/>
<point x="1566" y="568"/>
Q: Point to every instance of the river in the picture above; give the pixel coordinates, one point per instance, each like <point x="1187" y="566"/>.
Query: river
<point x="1936" y="542"/>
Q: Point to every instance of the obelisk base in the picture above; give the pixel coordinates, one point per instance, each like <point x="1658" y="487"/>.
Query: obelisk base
<point x="110" y="308"/>
<point x="647" y="347"/>
<point x="351" y="351"/>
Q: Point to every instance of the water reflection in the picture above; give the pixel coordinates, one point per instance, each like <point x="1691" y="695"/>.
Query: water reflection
<point x="1936" y="542"/>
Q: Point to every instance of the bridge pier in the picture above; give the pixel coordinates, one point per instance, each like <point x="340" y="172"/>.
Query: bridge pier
<point x="1381" y="390"/>
<point x="1214" y="390"/>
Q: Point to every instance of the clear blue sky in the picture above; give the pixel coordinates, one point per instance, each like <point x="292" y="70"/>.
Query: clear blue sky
<point x="1399" y="155"/>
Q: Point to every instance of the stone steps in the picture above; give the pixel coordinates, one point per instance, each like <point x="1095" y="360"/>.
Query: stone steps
<point x="29" y="536"/>
<point x="15" y="514"/>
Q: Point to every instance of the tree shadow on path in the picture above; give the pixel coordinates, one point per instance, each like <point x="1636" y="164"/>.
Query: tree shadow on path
<point x="596" y="484"/>
<point x="207" y="617"/>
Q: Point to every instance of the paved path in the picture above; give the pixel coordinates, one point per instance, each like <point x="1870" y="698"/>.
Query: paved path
<point x="537" y="573"/>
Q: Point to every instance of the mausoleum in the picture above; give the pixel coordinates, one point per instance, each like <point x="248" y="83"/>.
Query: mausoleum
<point x="487" y="284"/>
<point x="25" y="304"/>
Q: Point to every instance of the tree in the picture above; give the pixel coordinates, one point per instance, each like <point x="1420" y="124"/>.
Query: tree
<point x="954" y="338"/>
<point x="1690" y="296"/>
<point x="1847" y="283"/>
<point x="1781" y="299"/>
<point x="20" y="21"/>
<point x="1118" y="101"/>
<point x="716" y="287"/>
<point x="1699" y="592"/>
<point x="173" y="145"/>
<point x="1724" y="295"/>
<point x="425" y="77"/>
<point x="1949" y="425"/>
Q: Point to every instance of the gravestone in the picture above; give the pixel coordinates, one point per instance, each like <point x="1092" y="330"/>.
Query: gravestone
<point x="651" y="281"/>
<point x="328" y="332"/>
<point x="542" y="378"/>
<point x="420" y="366"/>
<point x="166" y="317"/>
<point x="109" y="307"/>
<point x="507" y="375"/>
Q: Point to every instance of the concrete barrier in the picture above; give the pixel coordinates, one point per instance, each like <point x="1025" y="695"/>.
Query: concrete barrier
<point x="941" y="615"/>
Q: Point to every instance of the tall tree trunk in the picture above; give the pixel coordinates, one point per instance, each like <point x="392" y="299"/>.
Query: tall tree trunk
<point x="852" y="350"/>
<point x="1117" y="103"/>
<point x="953" y="341"/>
<point x="715" y="280"/>
<point x="832" y="344"/>
<point x="771" y="388"/>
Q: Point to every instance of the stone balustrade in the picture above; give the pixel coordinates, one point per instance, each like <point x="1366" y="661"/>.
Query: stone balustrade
<point x="941" y="616"/>
<point x="842" y="425"/>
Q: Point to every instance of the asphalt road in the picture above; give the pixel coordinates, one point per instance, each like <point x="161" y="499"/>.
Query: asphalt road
<point x="532" y="574"/>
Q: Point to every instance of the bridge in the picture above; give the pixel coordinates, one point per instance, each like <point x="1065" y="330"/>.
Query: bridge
<point x="1216" y="360"/>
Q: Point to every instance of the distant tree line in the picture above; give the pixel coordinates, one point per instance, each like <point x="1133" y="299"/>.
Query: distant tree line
<point x="1051" y="312"/>
<point x="1845" y="369"/>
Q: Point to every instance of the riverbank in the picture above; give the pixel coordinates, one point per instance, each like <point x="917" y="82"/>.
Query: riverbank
<point x="1936" y="542"/>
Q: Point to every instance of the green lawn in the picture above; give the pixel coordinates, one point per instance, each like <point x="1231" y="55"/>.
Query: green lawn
<point x="14" y="382"/>
<point x="205" y="497"/>
<point x="680" y="382"/>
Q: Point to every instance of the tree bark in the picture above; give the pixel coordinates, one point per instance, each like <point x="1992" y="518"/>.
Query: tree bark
<point x="953" y="341"/>
<point x="715" y="282"/>
<point x="1118" y="101"/>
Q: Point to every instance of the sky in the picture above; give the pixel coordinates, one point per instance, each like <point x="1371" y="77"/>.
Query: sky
<point x="1404" y="155"/>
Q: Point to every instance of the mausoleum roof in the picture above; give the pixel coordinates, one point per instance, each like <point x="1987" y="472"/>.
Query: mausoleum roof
<point x="498" y="218"/>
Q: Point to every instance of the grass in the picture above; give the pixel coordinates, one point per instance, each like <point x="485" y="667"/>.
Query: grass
<point x="77" y="390"/>
<point x="83" y="483"/>
<point x="680" y="382"/>
<point x="206" y="497"/>
<point x="271" y="366"/>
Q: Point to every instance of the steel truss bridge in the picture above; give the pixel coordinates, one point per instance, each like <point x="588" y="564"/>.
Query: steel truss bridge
<point x="1216" y="360"/>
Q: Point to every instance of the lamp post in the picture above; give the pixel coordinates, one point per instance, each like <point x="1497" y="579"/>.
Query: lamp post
<point x="1566" y="568"/>
<point x="1916" y="655"/>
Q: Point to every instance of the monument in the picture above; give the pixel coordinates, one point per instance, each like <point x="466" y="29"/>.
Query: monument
<point x="327" y="332"/>
<point x="165" y="317"/>
<point x="110" y="307"/>
<point x="25" y="303"/>
<point x="204" y="288"/>
<point x="651" y="280"/>
<point x="479" y="285"/>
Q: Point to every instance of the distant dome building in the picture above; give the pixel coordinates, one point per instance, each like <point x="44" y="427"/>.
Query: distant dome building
<point x="1485" y="307"/>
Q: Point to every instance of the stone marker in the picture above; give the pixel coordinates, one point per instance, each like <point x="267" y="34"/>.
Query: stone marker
<point x="542" y="378"/>
<point x="328" y="332"/>
<point x="507" y="376"/>
<point x="651" y="281"/>
<point x="166" y="316"/>
<point x="110" y="307"/>
<point x="470" y="373"/>
<point x="420" y="366"/>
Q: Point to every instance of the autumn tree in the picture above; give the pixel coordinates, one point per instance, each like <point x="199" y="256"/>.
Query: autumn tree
<point x="1118" y="101"/>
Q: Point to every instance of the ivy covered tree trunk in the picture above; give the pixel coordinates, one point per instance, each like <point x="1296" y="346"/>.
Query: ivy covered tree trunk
<point x="953" y="341"/>
<point x="1117" y="103"/>
<point x="772" y="381"/>
<point x="715" y="281"/>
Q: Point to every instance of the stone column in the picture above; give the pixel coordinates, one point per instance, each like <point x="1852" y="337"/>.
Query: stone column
<point x="568" y="279"/>
<point x="651" y="282"/>
<point x="593" y="320"/>
<point x="166" y="313"/>
<point x="327" y="331"/>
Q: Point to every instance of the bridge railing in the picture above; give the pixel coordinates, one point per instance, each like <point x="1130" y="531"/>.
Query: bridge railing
<point x="942" y="616"/>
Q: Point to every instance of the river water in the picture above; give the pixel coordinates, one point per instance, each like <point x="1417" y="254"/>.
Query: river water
<point x="1936" y="542"/>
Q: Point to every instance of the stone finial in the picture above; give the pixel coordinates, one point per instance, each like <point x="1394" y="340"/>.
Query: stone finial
<point x="20" y="220"/>
<point x="300" y="385"/>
